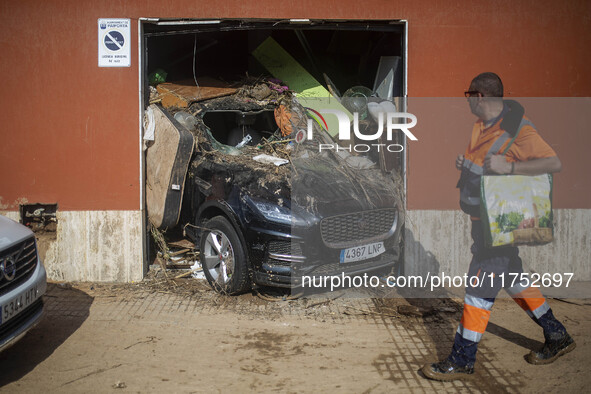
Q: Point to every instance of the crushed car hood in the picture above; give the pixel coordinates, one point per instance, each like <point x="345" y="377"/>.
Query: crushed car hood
<point x="316" y="185"/>
<point x="327" y="190"/>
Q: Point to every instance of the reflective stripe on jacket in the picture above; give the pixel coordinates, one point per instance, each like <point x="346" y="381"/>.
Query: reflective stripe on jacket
<point x="473" y="167"/>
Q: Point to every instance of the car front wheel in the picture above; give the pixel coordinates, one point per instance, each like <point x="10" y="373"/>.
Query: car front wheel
<point x="222" y="257"/>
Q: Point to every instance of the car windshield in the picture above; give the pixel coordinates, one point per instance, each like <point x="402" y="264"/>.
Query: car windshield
<point x="262" y="131"/>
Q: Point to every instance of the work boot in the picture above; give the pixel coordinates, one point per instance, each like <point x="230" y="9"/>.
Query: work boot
<point x="553" y="348"/>
<point x="446" y="370"/>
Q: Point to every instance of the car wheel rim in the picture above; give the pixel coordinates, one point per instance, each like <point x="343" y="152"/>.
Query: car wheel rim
<point x="219" y="257"/>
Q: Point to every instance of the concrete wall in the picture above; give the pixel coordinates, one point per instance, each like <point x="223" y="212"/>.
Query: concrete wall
<point x="99" y="246"/>
<point x="439" y="241"/>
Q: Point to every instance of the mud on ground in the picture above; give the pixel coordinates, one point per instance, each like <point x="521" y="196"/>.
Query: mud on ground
<point x="179" y="336"/>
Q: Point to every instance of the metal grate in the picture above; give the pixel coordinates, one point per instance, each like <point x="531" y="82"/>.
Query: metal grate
<point x="285" y="248"/>
<point x="284" y="253"/>
<point x="24" y="256"/>
<point x="281" y="263"/>
<point x="357" y="228"/>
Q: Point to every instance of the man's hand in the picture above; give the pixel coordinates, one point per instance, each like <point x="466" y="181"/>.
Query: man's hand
<point x="496" y="164"/>
<point x="459" y="162"/>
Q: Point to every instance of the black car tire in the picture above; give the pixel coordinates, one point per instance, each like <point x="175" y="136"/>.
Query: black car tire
<point x="222" y="257"/>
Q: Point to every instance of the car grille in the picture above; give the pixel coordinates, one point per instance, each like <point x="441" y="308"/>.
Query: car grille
<point x="284" y="253"/>
<point x="285" y="248"/>
<point x="357" y="228"/>
<point x="24" y="255"/>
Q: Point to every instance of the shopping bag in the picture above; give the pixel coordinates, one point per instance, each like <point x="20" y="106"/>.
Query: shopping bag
<point x="516" y="209"/>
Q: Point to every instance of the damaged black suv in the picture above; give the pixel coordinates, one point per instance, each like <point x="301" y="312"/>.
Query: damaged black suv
<point x="266" y="207"/>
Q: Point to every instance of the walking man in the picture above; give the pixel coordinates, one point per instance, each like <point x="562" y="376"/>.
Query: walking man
<point x="498" y="122"/>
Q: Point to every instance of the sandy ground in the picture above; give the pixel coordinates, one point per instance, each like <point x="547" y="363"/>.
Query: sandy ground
<point x="185" y="338"/>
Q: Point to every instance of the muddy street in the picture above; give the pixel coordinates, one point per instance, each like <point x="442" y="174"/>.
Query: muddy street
<point x="186" y="338"/>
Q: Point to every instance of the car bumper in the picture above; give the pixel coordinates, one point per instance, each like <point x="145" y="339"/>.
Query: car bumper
<point x="310" y="257"/>
<point x="286" y="278"/>
<point x="20" y="323"/>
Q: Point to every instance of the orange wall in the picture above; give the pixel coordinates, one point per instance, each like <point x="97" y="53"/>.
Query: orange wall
<point x="69" y="129"/>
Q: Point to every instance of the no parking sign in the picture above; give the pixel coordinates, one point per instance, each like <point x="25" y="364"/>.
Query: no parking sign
<point x="114" y="47"/>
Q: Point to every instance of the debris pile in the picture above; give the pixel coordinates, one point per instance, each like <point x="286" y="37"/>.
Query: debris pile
<point x="176" y="259"/>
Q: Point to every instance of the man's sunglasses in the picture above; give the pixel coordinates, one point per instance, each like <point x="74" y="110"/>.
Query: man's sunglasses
<point x="471" y="93"/>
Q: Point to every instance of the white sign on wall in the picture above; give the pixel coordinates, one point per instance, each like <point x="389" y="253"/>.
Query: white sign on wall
<point x="114" y="43"/>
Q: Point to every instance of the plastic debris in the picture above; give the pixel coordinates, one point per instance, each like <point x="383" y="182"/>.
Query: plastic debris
<point x="355" y="100"/>
<point x="197" y="271"/>
<point x="375" y="109"/>
<point x="186" y="119"/>
<point x="149" y="124"/>
<point x="158" y="76"/>
<point x="247" y="138"/>
<point x="270" y="160"/>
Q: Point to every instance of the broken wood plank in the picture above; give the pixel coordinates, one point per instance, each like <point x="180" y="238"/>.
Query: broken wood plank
<point x="181" y="94"/>
<point x="179" y="252"/>
<point x="182" y="243"/>
<point x="187" y="273"/>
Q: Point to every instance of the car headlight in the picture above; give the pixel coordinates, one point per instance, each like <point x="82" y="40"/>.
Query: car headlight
<point x="276" y="213"/>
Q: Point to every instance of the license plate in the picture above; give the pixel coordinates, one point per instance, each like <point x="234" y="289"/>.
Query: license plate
<point x="364" y="252"/>
<point x="17" y="304"/>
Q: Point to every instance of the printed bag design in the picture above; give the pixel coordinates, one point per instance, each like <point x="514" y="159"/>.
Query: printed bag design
<point x="516" y="209"/>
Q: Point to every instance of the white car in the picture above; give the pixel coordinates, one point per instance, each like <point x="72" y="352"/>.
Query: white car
<point x="22" y="282"/>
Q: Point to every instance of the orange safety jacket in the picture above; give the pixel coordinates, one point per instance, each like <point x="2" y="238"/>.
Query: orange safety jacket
<point x="490" y="141"/>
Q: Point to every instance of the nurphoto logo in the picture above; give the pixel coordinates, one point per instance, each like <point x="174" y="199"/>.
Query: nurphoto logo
<point x="388" y="121"/>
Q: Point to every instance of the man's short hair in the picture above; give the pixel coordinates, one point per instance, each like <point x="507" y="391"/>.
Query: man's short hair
<point x="489" y="84"/>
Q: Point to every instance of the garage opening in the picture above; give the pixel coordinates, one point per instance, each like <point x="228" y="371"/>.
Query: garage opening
<point x="348" y="53"/>
<point x="349" y="59"/>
